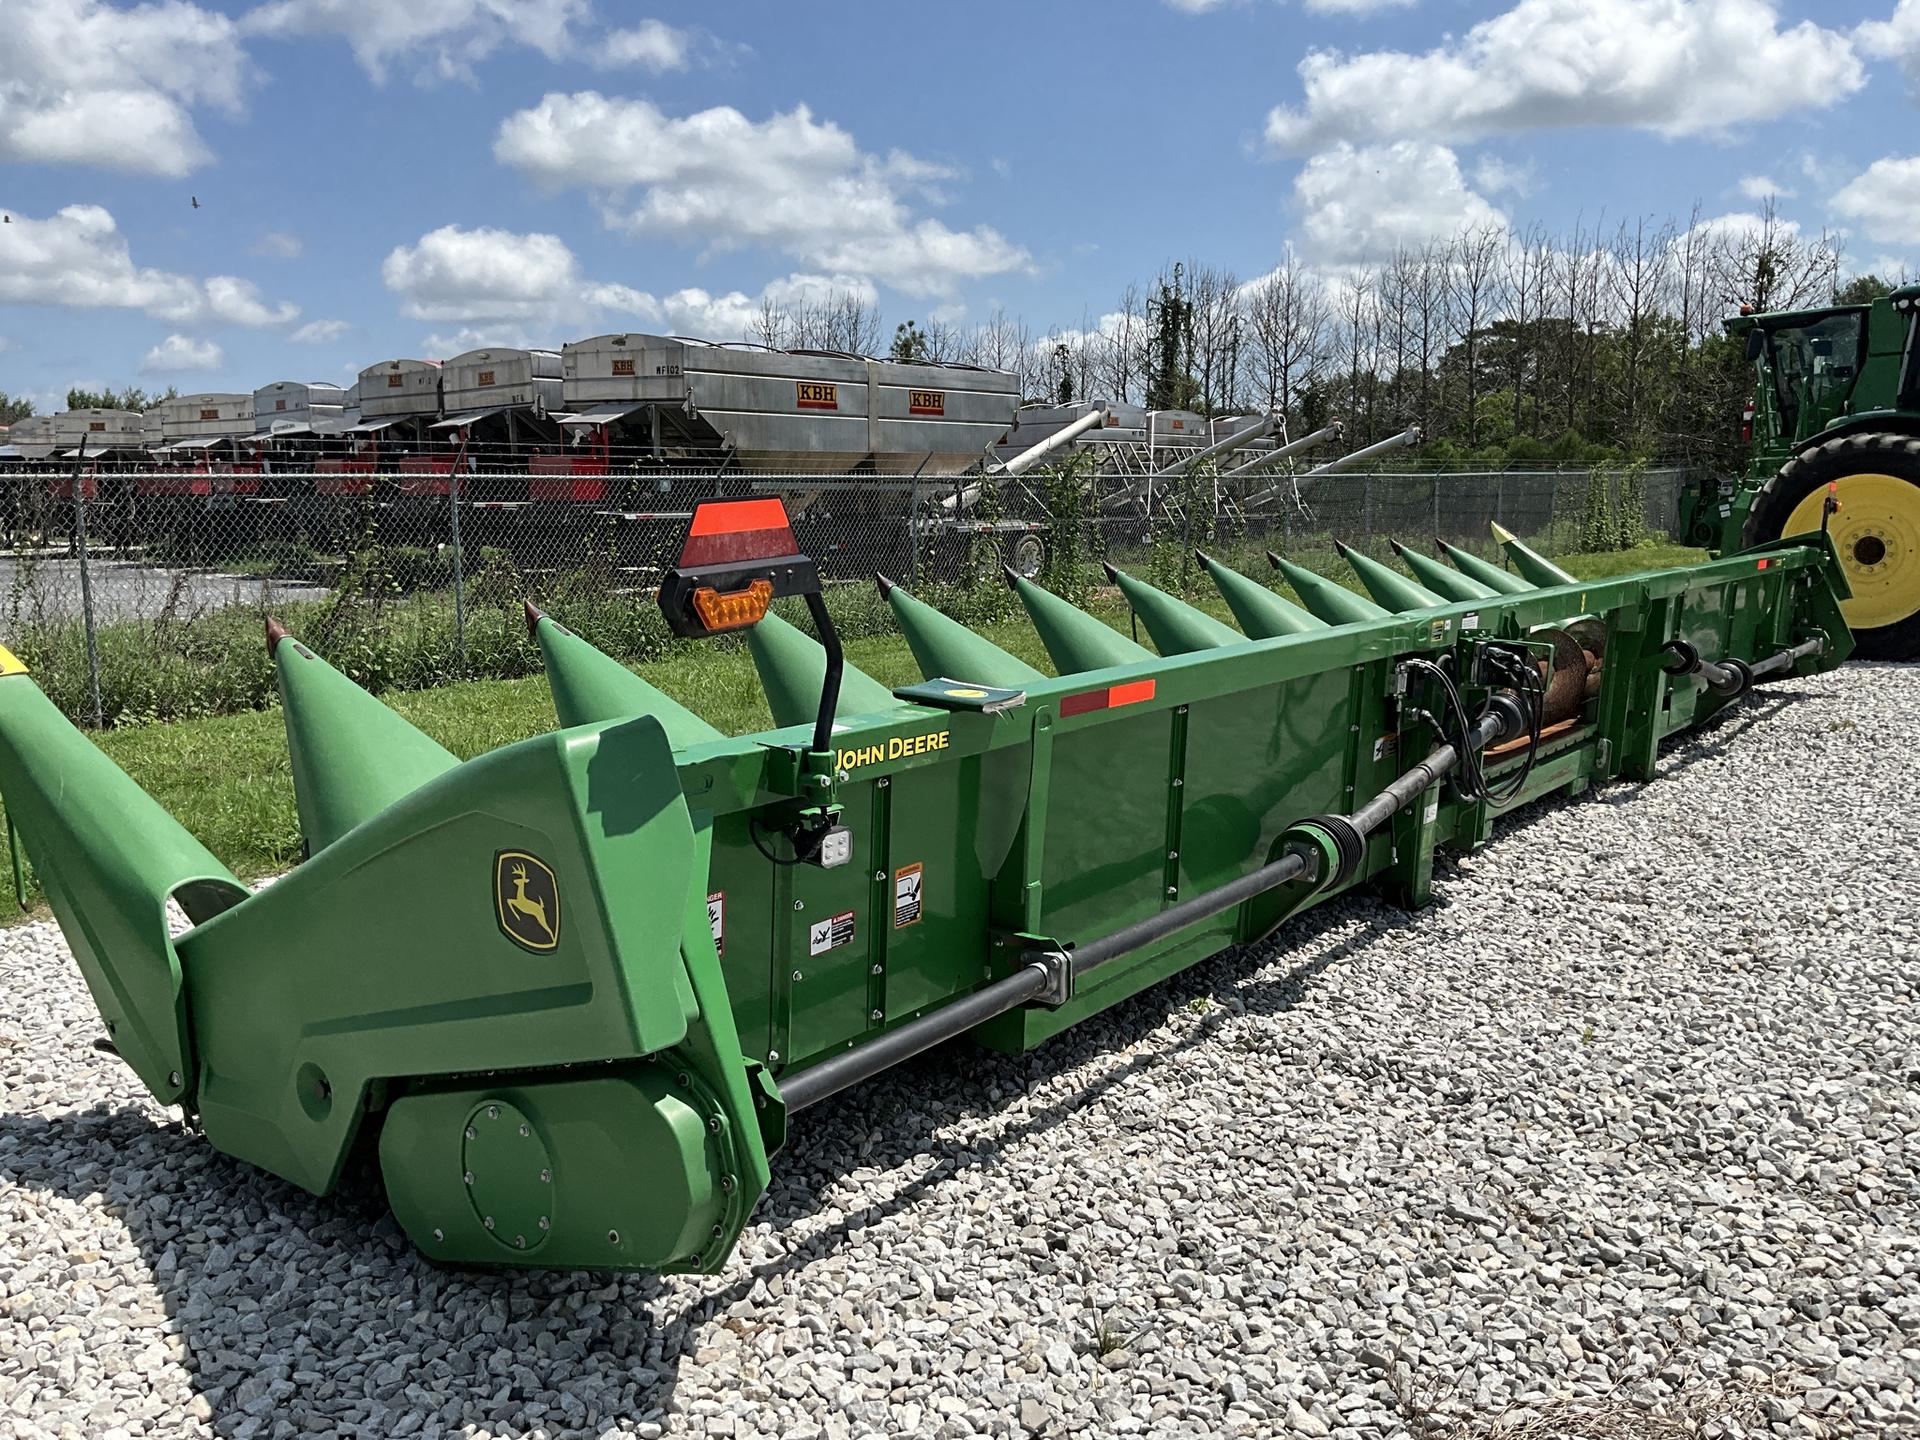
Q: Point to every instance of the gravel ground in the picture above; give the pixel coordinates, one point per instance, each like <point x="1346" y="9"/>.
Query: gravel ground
<point x="1620" y="1138"/>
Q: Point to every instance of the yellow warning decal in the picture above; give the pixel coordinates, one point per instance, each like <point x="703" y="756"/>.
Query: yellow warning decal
<point x="10" y="663"/>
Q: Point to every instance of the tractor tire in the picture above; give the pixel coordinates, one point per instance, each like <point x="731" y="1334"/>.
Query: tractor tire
<point x="1876" y="532"/>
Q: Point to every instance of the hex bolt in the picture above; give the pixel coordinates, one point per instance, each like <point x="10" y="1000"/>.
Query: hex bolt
<point x="876" y="1015"/>
<point x="1178" y="782"/>
<point x="797" y="975"/>
<point x="493" y="1112"/>
<point x="525" y="1132"/>
<point x="1173" y="854"/>
<point x="719" y="1231"/>
<point x="773" y="1057"/>
<point x="878" y="970"/>
<point x="1173" y="889"/>
<point x="713" y="1124"/>
<point x="438" y="1233"/>
<point x="883" y="782"/>
<point x="173" y="1078"/>
<point x="683" y="1080"/>
<point x="613" y="1237"/>
<point x="519" y="1242"/>
<point x="879" y="875"/>
<point x="726" y="1182"/>
<point x="546" y="1177"/>
<point x="545" y="1223"/>
<point x="469" y="1177"/>
<point x="488" y="1222"/>
<point x="471" y="1132"/>
<point x="799" y="904"/>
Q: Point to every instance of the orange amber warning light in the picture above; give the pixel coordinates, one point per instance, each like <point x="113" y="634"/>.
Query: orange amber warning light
<point x="739" y="557"/>
<point x="719" y="612"/>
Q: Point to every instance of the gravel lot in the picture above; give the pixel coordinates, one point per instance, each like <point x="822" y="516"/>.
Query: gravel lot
<point x="1617" y="1139"/>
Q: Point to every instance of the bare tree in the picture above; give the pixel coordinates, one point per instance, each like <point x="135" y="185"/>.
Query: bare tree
<point x="1477" y="297"/>
<point x="1639" y="277"/>
<point x="1122" y="355"/>
<point x="1215" y="295"/>
<point x="1771" y="266"/>
<point x="1288" y="315"/>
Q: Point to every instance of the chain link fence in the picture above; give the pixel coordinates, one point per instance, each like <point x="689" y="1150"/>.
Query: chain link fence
<point x="140" y="595"/>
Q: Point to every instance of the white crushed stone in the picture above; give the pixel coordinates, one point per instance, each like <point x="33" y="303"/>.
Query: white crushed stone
<point x="1618" y="1138"/>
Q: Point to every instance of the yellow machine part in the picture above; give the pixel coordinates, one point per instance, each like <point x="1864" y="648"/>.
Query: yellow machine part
<point x="1877" y="532"/>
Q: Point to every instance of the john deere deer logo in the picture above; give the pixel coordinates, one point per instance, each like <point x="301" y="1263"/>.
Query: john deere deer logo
<point x="527" y="900"/>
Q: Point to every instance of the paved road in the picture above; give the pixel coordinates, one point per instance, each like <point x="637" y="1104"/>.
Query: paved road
<point x="125" y="590"/>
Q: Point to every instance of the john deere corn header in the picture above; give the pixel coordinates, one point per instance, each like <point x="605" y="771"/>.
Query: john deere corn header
<point x="573" y="992"/>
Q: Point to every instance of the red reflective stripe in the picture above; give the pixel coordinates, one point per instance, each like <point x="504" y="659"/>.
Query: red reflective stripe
<point x="1764" y="563"/>
<point x="1083" y="702"/>
<point x="725" y="517"/>
<point x="1130" y="693"/>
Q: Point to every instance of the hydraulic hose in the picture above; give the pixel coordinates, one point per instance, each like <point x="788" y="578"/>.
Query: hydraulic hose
<point x="1504" y="718"/>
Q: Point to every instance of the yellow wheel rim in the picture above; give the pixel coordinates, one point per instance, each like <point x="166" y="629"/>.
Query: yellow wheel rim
<point x="1877" y="533"/>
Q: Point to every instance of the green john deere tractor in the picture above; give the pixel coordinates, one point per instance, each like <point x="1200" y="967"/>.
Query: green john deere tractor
<point x="1835" y="412"/>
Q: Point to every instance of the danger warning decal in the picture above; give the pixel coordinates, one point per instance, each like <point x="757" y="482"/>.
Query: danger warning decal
<point x="717" y="919"/>
<point x="906" y="896"/>
<point x="830" y="934"/>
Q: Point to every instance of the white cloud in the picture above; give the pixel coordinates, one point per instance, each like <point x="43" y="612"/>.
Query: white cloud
<point x="1357" y="7"/>
<point x="789" y="182"/>
<point x="1895" y="38"/>
<point x="319" y="332"/>
<point x="1501" y="177"/>
<point x="448" y="37"/>
<point x="469" y="277"/>
<point x="1676" y="67"/>
<point x="1885" y="200"/>
<point x="78" y="257"/>
<point x="1360" y="204"/>
<point x="731" y="316"/>
<point x="86" y="83"/>
<point x="651" y="45"/>
<point x="1759" y="187"/>
<point x="279" y="245"/>
<point x="180" y="352"/>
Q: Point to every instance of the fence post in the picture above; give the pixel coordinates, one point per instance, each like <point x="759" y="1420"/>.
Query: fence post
<point x="1366" y="505"/>
<point x="1499" y="495"/>
<point x="459" y="562"/>
<point x="86" y="592"/>
<point x="913" y="534"/>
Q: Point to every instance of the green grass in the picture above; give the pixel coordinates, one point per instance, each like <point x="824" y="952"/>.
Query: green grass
<point x="228" y="780"/>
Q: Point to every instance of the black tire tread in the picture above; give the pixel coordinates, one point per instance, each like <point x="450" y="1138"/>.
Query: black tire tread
<point x="1883" y="451"/>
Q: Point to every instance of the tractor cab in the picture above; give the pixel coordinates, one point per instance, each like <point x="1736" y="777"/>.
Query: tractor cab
<point x="1807" y="363"/>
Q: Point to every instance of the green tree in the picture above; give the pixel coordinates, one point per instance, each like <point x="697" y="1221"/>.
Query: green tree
<point x="1862" y="290"/>
<point x="909" y="342"/>
<point x="12" y="409"/>
<point x="132" y="398"/>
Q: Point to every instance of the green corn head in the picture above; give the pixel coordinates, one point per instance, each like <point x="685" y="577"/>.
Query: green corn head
<point x="569" y="992"/>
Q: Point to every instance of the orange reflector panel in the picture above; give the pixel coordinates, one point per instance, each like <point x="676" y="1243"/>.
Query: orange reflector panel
<point x="1763" y="564"/>
<point x="734" y="610"/>
<point x="1110" y="698"/>
<point x="725" y="532"/>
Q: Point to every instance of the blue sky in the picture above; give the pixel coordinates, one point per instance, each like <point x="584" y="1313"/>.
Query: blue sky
<point x="382" y="179"/>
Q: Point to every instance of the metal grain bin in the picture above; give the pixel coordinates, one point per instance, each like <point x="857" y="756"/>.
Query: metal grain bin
<point x="102" y="430"/>
<point x="802" y="410"/>
<point x="34" y="437"/>
<point x="208" y="416"/>
<point x="294" y="407"/>
<point x="400" y="389"/>
<point x="496" y="379"/>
